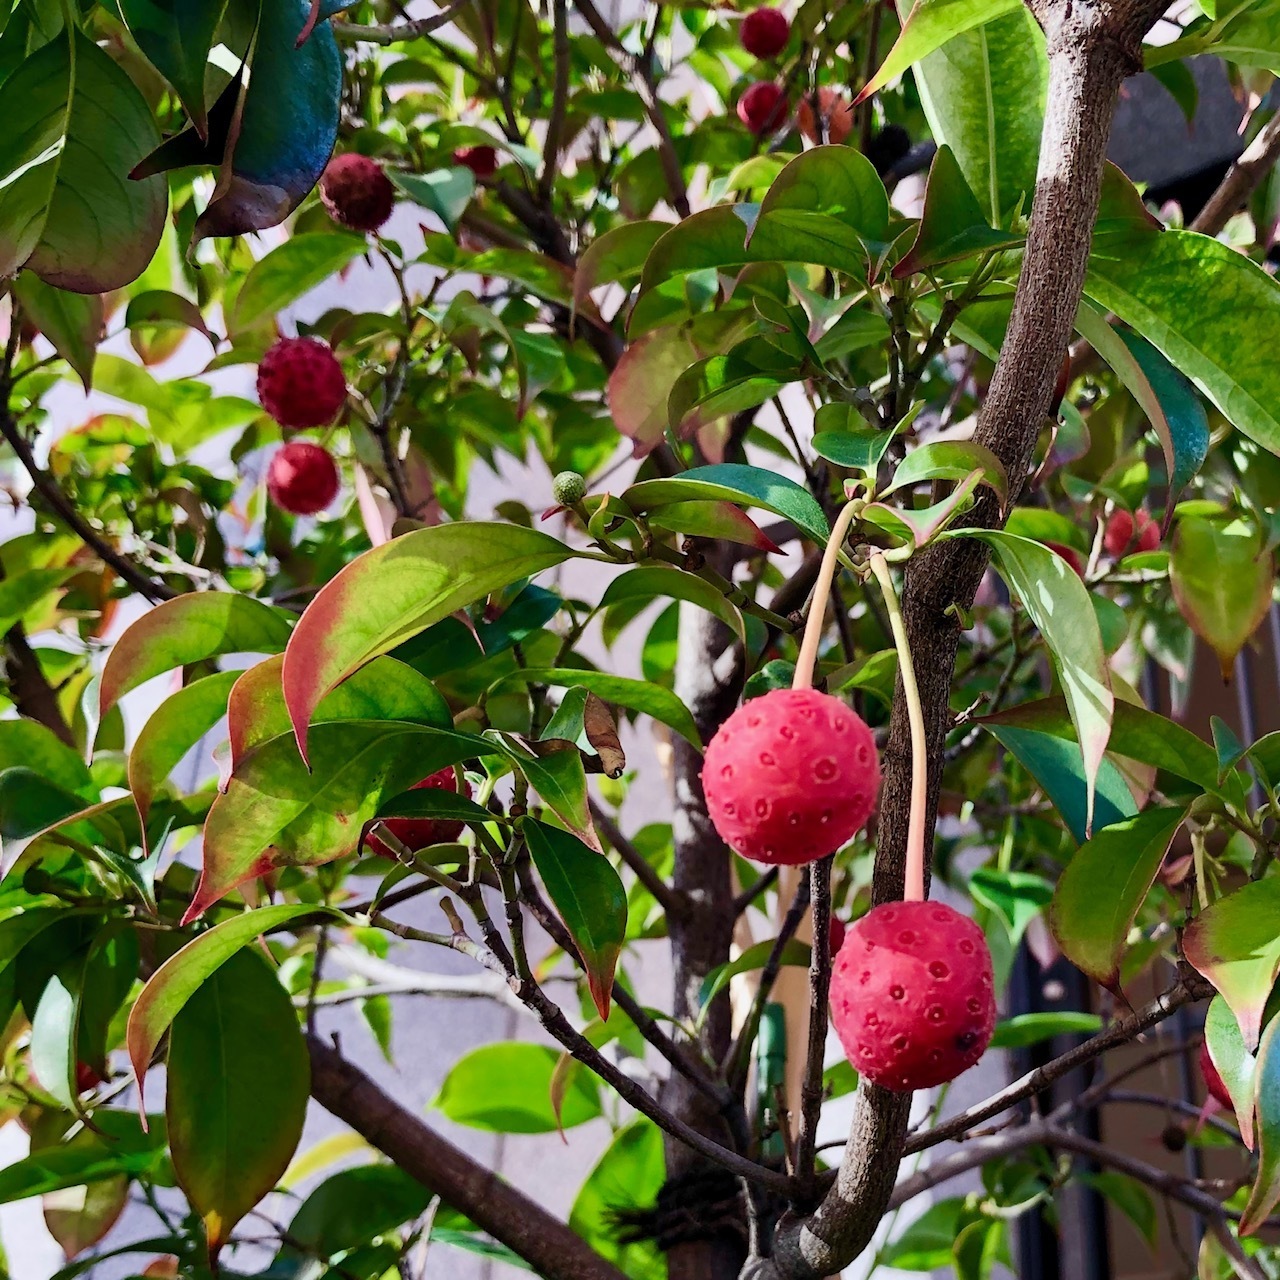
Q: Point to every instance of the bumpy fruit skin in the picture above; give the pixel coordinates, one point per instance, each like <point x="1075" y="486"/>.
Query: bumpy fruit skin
<point x="1122" y="530"/>
<point x="1213" y="1079"/>
<point x="912" y="995"/>
<point x="421" y="833"/>
<point x="763" y="107"/>
<point x="481" y="160"/>
<point x="302" y="478"/>
<point x="569" y="488"/>
<point x="791" y="777"/>
<point x="764" y="32"/>
<point x="301" y="383"/>
<point x="357" y="193"/>
<point x="833" y="107"/>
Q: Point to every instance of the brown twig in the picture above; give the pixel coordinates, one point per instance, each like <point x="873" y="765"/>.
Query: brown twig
<point x="1241" y="180"/>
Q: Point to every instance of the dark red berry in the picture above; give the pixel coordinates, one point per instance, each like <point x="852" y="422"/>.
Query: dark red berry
<point x="836" y="936"/>
<point x="1069" y="554"/>
<point x="87" y="1078"/>
<point x="357" y="193"/>
<point x="1148" y="532"/>
<point x="421" y="833"/>
<point x="764" y="32"/>
<point x="791" y="777"/>
<point x="481" y="160"/>
<point x="1118" y="534"/>
<point x="1213" y="1080"/>
<point x="763" y="107"/>
<point x="302" y="478"/>
<point x="301" y="383"/>
<point x="912" y="995"/>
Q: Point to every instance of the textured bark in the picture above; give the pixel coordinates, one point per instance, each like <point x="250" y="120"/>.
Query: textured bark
<point x="1091" y="50"/>
<point x="508" y="1215"/>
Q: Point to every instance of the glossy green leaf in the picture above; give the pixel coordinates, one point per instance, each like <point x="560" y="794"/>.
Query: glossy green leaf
<point x="841" y="435"/>
<point x="29" y="745"/>
<point x="173" y="728"/>
<point x="951" y="460"/>
<point x="734" y="482"/>
<point x="119" y="1146"/>
<point x="277" y="812"/>
<point x="636" y="695"/>
<point x="712" y="520"/>
<point x="1058" y="604"/>
<point x="1266" y="1187"/>
<point x="435" y="802"/>
<point x="556" y="772"/>
<point x="189" y="629"/>
<point x="390" y="594"/>
<point x="69" y="213"/>
<point x="1235" y="945"/>
<point x="591" y="900"/>
<point x="1103" y="887"/>
<point x="53" y="1047"/>
<point x="446" y="192"/>
<point x="719" y="387"/>
<point x="30" y="803"/>
<point x="506" y="1087"/>
<point x="617" y="257"/>
<point x="1026" y="1029"/>
<point x="794" y="952"/>
<point x="290" y="270"/>
<point x="32" y="589"/>
<point x="653" y="582"/>
<point x="1131" y="1198"/>
<point x="1016" y="897"/>
<point x="540" y="275"/>
<point x="236" y="1091"/>
<point x="352" y="1208"/>
<point x="1222" y="579"/>
<point x="73" y="322"/>
<point x="1234" y="1063"/>
<point x="384" y="689"/>
<point x="857" y="327"/>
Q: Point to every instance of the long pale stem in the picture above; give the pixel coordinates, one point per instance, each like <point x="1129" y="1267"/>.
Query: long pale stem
<point x="821" y="594"/>
<point x="914" y="886"/>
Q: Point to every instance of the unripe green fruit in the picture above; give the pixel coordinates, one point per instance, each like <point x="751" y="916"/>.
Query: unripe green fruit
<point x="569" y="488"/>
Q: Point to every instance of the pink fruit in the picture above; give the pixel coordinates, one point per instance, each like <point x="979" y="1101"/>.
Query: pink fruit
<point x="763" y="107"/>
<point x="302" y="478"/>
<point x="481" y="160"/>
<point x="1213" y="1078"/>
<point x="1119" y="533"/>
<point x="421" y="833"/>
<point x="357" y="193"/>
<point x="912" y="995"/>
<point x="790" y="777"/>
<point x="1148" y="532"/>
<point x="764" y="32"/>
<point x="301" y="383"/>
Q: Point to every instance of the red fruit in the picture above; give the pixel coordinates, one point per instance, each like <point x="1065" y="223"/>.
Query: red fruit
<point x="912" y="995"/>
<point x="302" y="478"/>
<point x="1213" y="1079"/>
<point x="87" y="1078"/>
<point x="790" y="777"/>
<point x="357" y="193"/>
<point x="1148" y="532"/>
<point x="836" y="936"/>
<point x="481" y="160"/>
<point x="420" y="833"/>
<point x="1069" y="554"/>
<point x="301" y="383"/>
<point x="763" y="107"/>
<point x="1118" y="534"/>
<point x="835" y="110"/>
<point x="764" y="32"/>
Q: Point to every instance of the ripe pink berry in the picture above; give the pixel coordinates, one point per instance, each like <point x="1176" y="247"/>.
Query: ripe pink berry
<point x="1119" y="533"/>
<point x="357" y="193"/>
<point x="912" y="995"/>
<point x="420" y="833"/>
<point x="763" y="107"/>
<point x="1148" y="532"/>
<point x="481" y="160"/>
<point x="764" y="32"/>
<point x="1069" y="554"/>
<point x="301" y="383"/>
<point x="1213" y="1080"/>
<point x="302" y="478"/>
<point x="790" y="777"/>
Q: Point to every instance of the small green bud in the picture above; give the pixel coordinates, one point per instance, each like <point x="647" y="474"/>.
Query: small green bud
<point x="569" y="488"/>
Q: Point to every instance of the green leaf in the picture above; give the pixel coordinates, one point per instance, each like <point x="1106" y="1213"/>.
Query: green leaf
<point x="506" y="1087"/>
<point x="539" y="275"/>
<point x="29" y="745"/>
<point x="754" y="957"/>
<point x="951" y="460"/>
<point x="556" y="772"/>
<point x="69" y="212"/>
<point x="235" y="1091"/>
<point x="176" y="37"/>
<point x="636" y="695"/>
<point x="384" y="689"/>
<point x="277" y="812"/>
<point x="351" y="1209"/>
<point x="189" y="629"/>
<point x="1234" y="1063"/>
<point x="857" y="327"/>
<point x="734" y="482"/>
<point x="843" y="438"/>
<point x="1266" y="1187"/>
<point x="1222" y="577"/>
<point x="53" y="1048"/>
<point x="31" y="589"/>
<point x="1167" y="398"/>
<point x="984" y="94"/>
<point x="73" y="322"/>
<point x="174" y="727"/>
<point x="446" y="192"/>
<point x="390" y="594"/>
<point x="185" y="972"/>
<point x="1103" y="887"/>
<point x="927" y="1244"/>
<point x="721" y="386"/>
<point x="436" y="802"/>
<point x="712" y="520"/>
<point x="651" y="582"/>
<point x="78" y="1217"/>
<point x="628" y="1176"/>
<point x="290" y="270"/>
<point x="1058" y="604"/>
<point x="1017" y="897"/>
<point x="953" y="225"/>
<point x="1235" y="945"/>
<point x="591" y="900"/>
<point x="30" y="804"/>
<point x="929" y="25"/>
<point x="119" y="1147"/>
<point x="1131" y="1198"/>
<point x="617" y="257"/>
<point x="1025" y="1029"/>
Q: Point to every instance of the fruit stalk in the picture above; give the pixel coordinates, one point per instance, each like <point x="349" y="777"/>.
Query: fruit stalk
<point x="808" y="658"/>
<point x="913" y="888"/>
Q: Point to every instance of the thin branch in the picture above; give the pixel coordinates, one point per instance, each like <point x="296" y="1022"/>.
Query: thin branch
<point x="554" y="143"/>
<point x="1241" y="180"/>
<point x="762" y="886"/>
<point x="399" y="32"/>
<point x="33" y="696"/>
<point x="819" y="989"/>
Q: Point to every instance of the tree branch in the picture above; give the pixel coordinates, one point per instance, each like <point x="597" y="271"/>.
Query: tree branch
<point x="1241" y="180"/>
<point x="399" y="32"/>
